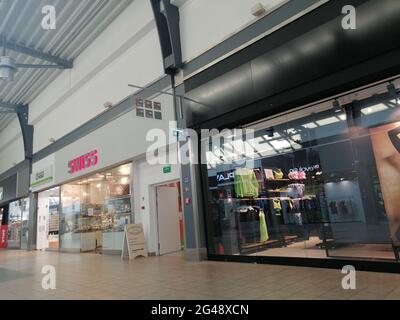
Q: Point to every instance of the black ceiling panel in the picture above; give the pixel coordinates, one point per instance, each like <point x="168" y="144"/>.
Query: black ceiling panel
<point x="312" y="55"/>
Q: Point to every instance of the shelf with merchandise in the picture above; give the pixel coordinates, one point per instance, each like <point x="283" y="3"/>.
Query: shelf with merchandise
<point x="307" y="197"/>
<point x="123" y="213"/>
<point x="125" y="196"/>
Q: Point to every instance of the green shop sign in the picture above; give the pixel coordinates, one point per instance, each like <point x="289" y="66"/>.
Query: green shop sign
<point x="167" y="169"/>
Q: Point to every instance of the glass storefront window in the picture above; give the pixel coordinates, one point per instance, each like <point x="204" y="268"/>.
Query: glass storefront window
<point x="315" y="184"/>
<point x="14" y="225"/>
<point x="18" y="216"/>
<point x="95" y="209"/>
<point x="25" y="223"/>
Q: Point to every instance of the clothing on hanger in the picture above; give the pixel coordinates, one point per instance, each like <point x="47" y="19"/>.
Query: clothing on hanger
<point x="246" y="184"/>
<point x="290" y="204"/>
<point x="277" y="204"/>
<point x="298" y="218"/>
<point x="296" y="205"/>
<point x="260" y="178"/>
<point x="248" y="221"/>
<point x="263" y="227"/>
<point x="296" y="190"/>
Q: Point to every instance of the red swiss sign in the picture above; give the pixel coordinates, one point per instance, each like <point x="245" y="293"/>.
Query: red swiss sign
<point x="3" y="237"/>
<point x="86" y="161"/>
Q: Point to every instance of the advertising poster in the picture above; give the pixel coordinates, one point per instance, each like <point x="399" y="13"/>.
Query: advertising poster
<point x="134" y="244"/>
<point x="3" y="237"/>
<point x="386" y="144"/>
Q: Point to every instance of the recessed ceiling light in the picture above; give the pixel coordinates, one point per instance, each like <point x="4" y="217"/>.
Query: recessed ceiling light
<point x="125" y="170"/>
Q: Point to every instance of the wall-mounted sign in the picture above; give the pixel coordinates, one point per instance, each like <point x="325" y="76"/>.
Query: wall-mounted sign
<point x="84" y="162"/>
<point x="1" y="193"/>
<point x="42" y="176"/>
<point x="167" y="169"/>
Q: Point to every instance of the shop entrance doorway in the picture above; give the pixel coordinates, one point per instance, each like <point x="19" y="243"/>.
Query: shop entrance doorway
<point x="48" y="223"/>
<point x="169" y="219"/>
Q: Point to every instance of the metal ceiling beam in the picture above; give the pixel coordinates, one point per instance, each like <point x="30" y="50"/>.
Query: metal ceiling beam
<point x="38" y="66"/>
<point x="10" y="106"/>
<point x="22" y="112"/>
<point x="27" y="131"/>
<point x="167" y="21"/>
<point x="66" y="64"/>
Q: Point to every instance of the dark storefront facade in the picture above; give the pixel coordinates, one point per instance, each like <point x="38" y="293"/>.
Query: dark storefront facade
<point x="318" y="183"/>
<point x="14" y="208"/>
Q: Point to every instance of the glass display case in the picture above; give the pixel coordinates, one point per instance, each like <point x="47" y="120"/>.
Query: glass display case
<point x="95" y="210"/>
<point x="118" y="213"/>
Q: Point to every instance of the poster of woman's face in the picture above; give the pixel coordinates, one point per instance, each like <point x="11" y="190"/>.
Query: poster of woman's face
<point x="386" y="144"/>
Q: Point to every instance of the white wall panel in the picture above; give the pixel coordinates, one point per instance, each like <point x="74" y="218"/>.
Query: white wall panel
<point x="117" y="141"/>
<point x="205" y="23"/>
<point x="110" y="84"/>
<point x="11" y="146"/>
<point x="127" y="52"/>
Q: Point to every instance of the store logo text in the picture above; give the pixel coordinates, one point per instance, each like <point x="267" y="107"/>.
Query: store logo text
<point x="229" y="176"/>
<point x="83" y="162"/>
<point x="306" y="169"/>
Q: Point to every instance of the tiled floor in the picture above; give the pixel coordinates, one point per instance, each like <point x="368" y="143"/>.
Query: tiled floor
<point x="90" y="276"/>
